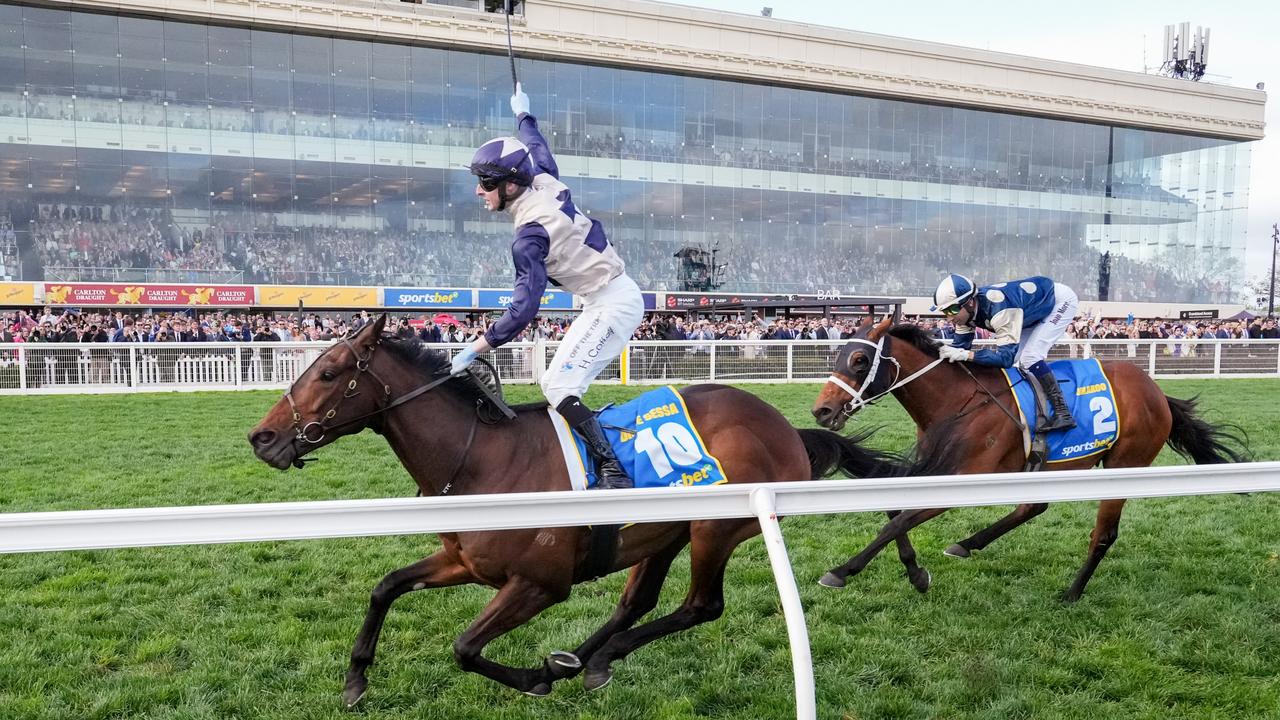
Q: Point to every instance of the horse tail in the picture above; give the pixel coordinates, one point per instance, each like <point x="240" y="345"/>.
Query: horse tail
<point x="829" y="451"/>
<point x="1198" y="441"/>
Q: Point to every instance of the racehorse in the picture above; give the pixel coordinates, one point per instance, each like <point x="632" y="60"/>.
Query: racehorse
<point x="433" y="423"/>
<point x="971" y="410"/>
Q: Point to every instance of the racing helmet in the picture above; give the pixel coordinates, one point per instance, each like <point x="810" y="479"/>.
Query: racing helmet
<point x="954" y="291"/>
<point x="502" y="159"/>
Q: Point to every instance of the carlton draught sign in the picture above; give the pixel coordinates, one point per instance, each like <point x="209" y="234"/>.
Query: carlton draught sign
<point x="148" y="295"/>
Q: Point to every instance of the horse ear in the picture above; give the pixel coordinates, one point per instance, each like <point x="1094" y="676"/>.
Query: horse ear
<point x="881" y="327"/>
<point x="379" y="324"/>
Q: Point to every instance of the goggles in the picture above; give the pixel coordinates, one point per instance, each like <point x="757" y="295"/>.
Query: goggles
<point x="490" y="184"/>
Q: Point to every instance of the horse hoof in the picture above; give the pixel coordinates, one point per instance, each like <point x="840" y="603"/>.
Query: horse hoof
<point x="956" y="551"/>
<point x="922" y="581"/>
<point x="352" y="694"/>
<point x="1070" y="596"/>
<point x="565" y="660"/>
<point x="596" y="679"/>
<point x="831" y="580"/>
<point x="539" y="690"/>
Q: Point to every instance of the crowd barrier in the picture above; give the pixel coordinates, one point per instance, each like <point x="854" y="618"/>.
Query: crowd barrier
<point x="135" y="367"/>
<point x="141" y="527"/>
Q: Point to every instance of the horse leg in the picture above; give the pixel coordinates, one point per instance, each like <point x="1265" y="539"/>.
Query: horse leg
<point x="433" y="571"/>
<point x="898" y="526"/>
<point x="638" y="598"/>
<point x="519" y="600"/>
<point x="916" y="575"/>
<point x="713" y="541"/>
<point x="983" y="538"/>
<point x="1105" y="531"/>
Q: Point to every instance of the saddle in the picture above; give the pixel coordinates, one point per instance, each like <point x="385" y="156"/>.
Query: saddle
<point x="1039" y="441"/>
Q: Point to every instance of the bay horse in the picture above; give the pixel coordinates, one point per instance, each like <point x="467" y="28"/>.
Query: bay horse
<point x="432" y="422"/>
<point x="971" y="411"/>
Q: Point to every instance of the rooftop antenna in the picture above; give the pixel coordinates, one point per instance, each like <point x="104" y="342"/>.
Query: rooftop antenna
<point x="1185" y="55"/>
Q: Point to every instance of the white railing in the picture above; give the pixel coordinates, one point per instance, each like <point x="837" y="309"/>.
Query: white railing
<point x="97" y="529"/>
<point x="134" y="367"/>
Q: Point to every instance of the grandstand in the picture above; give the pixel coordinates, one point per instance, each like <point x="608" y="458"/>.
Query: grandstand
<point x="189" y="148"/>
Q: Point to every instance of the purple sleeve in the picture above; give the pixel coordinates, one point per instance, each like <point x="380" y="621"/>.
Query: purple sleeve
<point x="529" y="252"/>
<point x="527" y="131"/>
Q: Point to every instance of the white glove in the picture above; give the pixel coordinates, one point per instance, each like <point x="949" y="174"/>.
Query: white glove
<point x="519" y="102"/>
<point x="953" y="354"/>
<point x="460" y="361"/>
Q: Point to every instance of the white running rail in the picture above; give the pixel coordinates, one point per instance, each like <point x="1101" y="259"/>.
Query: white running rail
<point x="94" y="529"/>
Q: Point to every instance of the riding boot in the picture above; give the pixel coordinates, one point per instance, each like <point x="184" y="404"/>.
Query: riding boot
<point x="609" y="472"/>
<point x="1062" y="419"/>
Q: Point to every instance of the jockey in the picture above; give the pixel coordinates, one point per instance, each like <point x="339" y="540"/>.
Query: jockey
<point x="555" y="241"/>
<point x="1027" y="316"/>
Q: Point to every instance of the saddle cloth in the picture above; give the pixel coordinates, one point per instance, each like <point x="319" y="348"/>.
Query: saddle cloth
<point x="1088" y="390"/>
<point x="654" y="439"/>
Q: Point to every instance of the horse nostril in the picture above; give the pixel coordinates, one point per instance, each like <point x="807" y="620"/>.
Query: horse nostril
<point x="262" y="438"/>
<point x="821" y="413"/>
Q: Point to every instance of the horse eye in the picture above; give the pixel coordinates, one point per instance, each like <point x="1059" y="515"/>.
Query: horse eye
<point x="860" y="360"/>
<point x="327" y="376"/>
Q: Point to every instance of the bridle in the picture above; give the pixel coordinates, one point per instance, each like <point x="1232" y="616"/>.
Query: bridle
<point x="304" y="433"/>
<point x="856" y="400"/>
<point x="301" y="431"/>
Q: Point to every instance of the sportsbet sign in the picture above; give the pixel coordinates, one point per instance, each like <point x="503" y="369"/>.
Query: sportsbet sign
<point x="148" y="295"/>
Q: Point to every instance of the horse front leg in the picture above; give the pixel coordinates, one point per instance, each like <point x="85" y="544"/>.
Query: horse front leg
<point x="515" y="604"/>
<point x="919" y="577"/>
<point x="898" y="526"/>
<point x="436" y="570"/>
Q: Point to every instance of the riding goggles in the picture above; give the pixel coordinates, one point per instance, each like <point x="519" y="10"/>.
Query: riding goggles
<point x="490" y="184"/>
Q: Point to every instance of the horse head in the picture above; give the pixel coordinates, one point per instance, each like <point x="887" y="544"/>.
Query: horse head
<point x="864" y="370"/>
<point x="340" y="393"/>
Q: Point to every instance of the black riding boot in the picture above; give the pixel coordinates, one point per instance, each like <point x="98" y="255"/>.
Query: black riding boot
<point x="609" y="472"/>
<point x="1062" y="419"/>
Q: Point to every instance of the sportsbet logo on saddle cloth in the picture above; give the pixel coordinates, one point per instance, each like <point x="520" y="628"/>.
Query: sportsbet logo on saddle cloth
<point x="1088" y="390"/>
<point x="654" y="440"/>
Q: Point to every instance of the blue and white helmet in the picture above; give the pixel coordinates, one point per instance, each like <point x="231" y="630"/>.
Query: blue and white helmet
<point x="503" y="158"/>
<point x="954" y="291"/>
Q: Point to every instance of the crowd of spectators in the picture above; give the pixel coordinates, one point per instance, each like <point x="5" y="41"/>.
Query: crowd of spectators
<point x="593" y="140"/>
<point x="9" y="257"/>
<point x="52" y="325"/>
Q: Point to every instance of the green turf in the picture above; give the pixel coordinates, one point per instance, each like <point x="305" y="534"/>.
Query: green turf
<point x="1180" y="621"/>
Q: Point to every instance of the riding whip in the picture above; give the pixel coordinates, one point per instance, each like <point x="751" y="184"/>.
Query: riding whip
<point x="511" y="56"/>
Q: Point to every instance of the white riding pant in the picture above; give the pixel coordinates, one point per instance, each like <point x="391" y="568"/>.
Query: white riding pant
<point x="1050" y="330"/>
<point x="609" y="318"/>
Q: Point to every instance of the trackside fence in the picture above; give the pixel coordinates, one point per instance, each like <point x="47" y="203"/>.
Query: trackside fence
<point x="97" y="529"/>
<point x="141" y="367"/>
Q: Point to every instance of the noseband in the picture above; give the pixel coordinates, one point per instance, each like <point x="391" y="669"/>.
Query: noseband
<point x="303" y="433"/>
<point x="856" y="401"/>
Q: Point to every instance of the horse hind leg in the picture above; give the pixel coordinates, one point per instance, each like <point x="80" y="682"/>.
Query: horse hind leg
<point x="518" y="602"/>
<point x="638" y="598"/>
<point x="899" y="526"/>
<point x="999" y="528"/>
<point x="433" y="571"/>
<point x="713" y="541"/>
<point x="1105" y="532"/>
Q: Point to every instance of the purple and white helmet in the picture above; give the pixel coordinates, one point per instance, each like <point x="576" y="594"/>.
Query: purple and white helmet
<point x="503" y="158"/>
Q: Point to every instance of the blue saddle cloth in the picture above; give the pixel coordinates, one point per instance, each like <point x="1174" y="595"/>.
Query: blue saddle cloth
<point x="1088" y="390"/>
<point x="656" y="443"/>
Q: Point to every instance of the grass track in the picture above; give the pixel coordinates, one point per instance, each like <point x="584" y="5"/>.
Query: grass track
<point x="1180" y="621"/>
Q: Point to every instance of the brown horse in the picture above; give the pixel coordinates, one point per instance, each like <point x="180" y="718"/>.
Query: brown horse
<point x="971" y="409"/>
<point x="434" y="427"/>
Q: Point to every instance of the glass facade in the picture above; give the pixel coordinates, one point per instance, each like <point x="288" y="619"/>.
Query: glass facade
<point x="138" y="149"/>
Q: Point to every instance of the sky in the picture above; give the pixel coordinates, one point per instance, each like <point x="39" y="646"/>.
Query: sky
<point x="1093" y="32"/>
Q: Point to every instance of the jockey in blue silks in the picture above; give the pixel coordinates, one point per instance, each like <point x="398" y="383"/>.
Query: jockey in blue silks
<point x="1027" y="317"/>
<point x="556" y="242"/>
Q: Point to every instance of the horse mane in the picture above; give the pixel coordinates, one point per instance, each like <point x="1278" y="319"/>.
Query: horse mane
<point x="917" y="336"/>
<point x="431" y="362"/>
